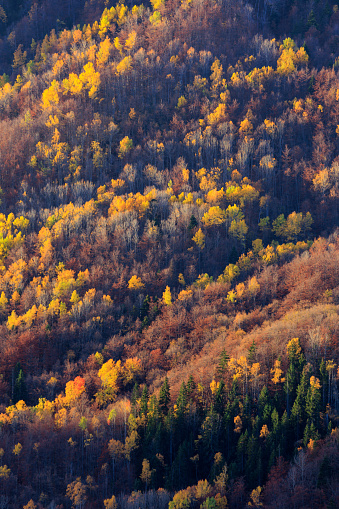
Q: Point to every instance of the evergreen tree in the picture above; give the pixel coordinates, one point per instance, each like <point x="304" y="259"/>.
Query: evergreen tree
<point x="164" y="397"/>
<point x="298" y="414"/>
<point x="193" y="223"/>
<point x="252" y="351"/>
<point x="144" y="401"/>
<point x="296" y="363"/>
<point x="19" y="388"/>
<point x="223" y="363"/>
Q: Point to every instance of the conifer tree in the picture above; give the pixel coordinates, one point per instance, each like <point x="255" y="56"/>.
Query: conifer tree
<point x="164" y="397"/>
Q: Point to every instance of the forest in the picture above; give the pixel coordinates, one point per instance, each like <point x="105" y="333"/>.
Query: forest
<point x="169" y="254"/>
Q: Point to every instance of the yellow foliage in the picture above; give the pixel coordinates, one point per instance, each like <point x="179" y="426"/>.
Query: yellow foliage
<point x="253" y="286"/>
<point x="236" y="80"/>
<point x="246" y="127"/>
<point x="310" y="444"/>
<point x="242" y="194"/>
<point x="117" y="184"/>
<point x="214" y="386"/>
<point x="289" y="59"/>
<point x="268" y="255"/>
<point x="6" y="90"/>
<point x="181" y="279"/>
<point x="61" y="418"/>
<point x="293" y="347"/>
<point x="131" y="40"/>
<point x="216" y="75"/>
<point x="77" y="36"/>
<point x="72" y="84"/>
<point x="315" y="383"/>
<point x="126" y="144"/>
<point x="322" y="181"/>
<point x="214" y="217"/>
<point x="52" y="121"/>
<point x="208" y="180"/>
<point x="255" y="497"/>
<point x="17" y="449"/>
<point x="13" y="321"/>
<point x="124" y="65"/>
<point x="74" y="389"/>
<point x="298" y="106"/>
<point x="270" y="127"/>
<point x="276" y="371"/>
<point x="91" y="53"/>
<point x="264" y="431"/>
<point x="131" y="369"/>
<point x="117" y="44"/>
<point x="104" y="52"/>
<point x="111" y="503"/>
<point x="203" y="489"/>
<point x="9" y="235"/>
<point x="186" y="175"/>
<point x="231" y="296"/>
<point x="257" y="77"/>
<point x="137" y="202"/>
<point x="74" y="297"/>
<point x="83" y="277"/>
<point x="107" y="299"/>
<point x="16" y="274"/>
<point x="199" y="239"/>
<point x="255" y="370"/>
<point x="214" y="196"/>
<point x="237" y="424"/>
<point x="4" y="471"/>
<point x="44" y="407"/>
<point x="90" y="79"/>
<point x="3" y="301"/>
<point x="203" y="281"/>
<point x="167" y="296"/>
<point x="109" y="374"/>
<point x="231" y="272"/>
<point x="155" y="18"/>
<point x="64" y="283"/>
<point x="50" y="96"/>
<point x="189" y="199"/>
<point x="135" y="283"/>
<point x="185" y="295"/>
<point x="240" y="289"/>
<point x="218" y="115"/>
<point x="54" y="307"/>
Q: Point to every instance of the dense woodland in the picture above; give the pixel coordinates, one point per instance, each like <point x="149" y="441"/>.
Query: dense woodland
<point x="169" y="254"/>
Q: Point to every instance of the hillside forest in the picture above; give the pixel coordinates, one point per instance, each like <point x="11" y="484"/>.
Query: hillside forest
<point x="169" y="254"/>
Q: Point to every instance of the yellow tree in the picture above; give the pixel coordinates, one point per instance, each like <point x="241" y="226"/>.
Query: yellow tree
<point x="76" y="492"/>
<point x="104" y="52"/>
<point x="146" y="473"/>
<point x="135" y="283"/>
<point x="199" y="239"/>
<point x="109" y="373"/>
<point x="167" y="296"/>
<point x="73" y="391"/>
<point x="124" y="66"/>
<point x="111" y="503"/>
<point x="214" y="217"/>
<point x="131" y="40"/>
<point x="131" y="369"/>
<point x="216" y="76"/>
<point x="277" y="373"/>
<point x="50" y="96"/>
<point x="125" y="146"/>
<point x="90" y="79"/>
